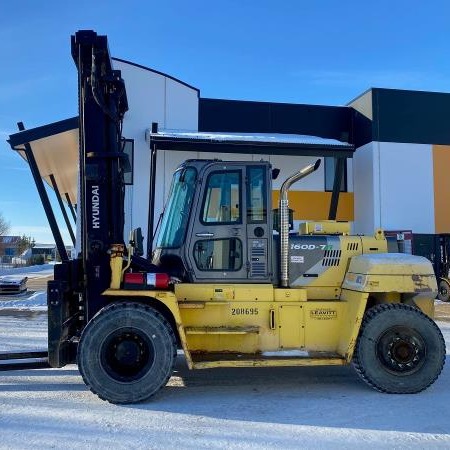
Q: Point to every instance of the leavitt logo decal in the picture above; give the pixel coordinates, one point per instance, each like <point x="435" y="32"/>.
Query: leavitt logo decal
<point x="323" y="314"/>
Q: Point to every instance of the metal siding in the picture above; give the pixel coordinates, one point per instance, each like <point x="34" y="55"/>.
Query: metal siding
<point x="152" y="98"/>
<point x="441" y="166"/>
<point x="181" y="107"/>
<point x="333" y="122"/>
<point x="411" y="116"/>
<point x="364" y="188"/>
<point x="406" y="187"/>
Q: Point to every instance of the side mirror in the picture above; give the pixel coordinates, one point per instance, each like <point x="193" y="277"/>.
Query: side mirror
<point x="137" y="241"/>
<point x="275" y="173"/>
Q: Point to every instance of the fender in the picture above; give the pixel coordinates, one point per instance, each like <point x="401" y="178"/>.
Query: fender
<point x="168" y="299"/>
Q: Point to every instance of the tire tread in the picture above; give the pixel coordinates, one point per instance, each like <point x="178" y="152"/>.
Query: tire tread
<point x="149" y="309"/>
<point x="370" y="314"/>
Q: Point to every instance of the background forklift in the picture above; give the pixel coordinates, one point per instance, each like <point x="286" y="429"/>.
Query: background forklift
<point x="221" y="282"/>
<point x="436" y="247"/>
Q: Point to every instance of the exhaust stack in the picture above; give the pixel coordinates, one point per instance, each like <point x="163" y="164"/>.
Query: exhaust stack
<point x="284" y="218"/>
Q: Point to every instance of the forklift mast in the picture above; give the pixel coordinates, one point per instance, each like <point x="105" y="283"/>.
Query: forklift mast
<point x="102" y="105"/>
<point x="74" y="296"/>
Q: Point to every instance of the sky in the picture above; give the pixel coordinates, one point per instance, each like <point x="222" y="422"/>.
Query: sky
<point x="316" y="52"/>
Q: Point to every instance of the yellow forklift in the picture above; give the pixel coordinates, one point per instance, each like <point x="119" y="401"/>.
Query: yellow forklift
<point x="228" y="280"/>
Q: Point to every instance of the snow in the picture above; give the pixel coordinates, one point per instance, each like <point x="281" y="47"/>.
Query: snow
<point x="41" y="270"/>
<point x="313" y="407"/>
<point x="287" y="353"/>
<point x="25" y="301"/>
<point x="272" y="138"/>
<point x="291" y="408"/>
<point x="38" y="300"/>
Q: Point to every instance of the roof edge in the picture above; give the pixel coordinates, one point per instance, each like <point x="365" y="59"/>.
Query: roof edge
<point x="359" y="96"/>
<point x="140" y="66"/>
<point x="34" y="134"/>
<point x="264" y="102"/>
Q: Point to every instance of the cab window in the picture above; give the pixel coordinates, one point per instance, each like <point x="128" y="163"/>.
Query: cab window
<point x="218" y="254"/>
<point x="222" y="201"/>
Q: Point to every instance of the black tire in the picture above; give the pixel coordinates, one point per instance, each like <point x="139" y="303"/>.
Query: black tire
<point x="399" y="349"/>
<point x="444" y="291"/>
<point x="126" y="353"/>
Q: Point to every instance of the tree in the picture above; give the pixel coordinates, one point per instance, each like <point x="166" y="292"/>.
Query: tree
<point x="4" y="225"/>
<point x="24" y="243"/>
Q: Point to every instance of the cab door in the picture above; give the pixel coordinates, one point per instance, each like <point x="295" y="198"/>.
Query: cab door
<point x="218" y="246"/>
<point x="258" y="221"/>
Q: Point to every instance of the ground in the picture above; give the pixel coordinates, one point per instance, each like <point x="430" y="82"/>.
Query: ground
<point x="311" y="407"/>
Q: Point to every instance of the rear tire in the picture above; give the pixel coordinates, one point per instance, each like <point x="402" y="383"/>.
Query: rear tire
<point x="126" y="353"/>
<point x="444" y="291"/>
<point x="399" y="350"/>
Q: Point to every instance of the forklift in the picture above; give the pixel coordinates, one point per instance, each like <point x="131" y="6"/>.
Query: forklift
<point x="443" y="272"/>
<point x="228" y="281"/>
<point x="436" y="247"/>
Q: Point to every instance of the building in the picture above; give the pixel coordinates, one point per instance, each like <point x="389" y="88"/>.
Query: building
<point x="9" y="245"/>
<point x="401" y="166"/>
<point x="396" y="180"/>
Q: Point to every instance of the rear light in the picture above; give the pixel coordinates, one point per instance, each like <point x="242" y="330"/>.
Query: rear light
<point x="158" y="280"/>
<point x="137" y="280"/>
<point x="134" y="278"/>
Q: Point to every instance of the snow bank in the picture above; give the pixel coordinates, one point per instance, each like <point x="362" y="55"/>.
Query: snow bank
<point x="28" y="269"/>
<point x="36" y="301"/>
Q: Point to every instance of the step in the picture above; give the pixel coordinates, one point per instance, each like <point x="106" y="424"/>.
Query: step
<point x="222" y="330"/>
<point x="200" y="304"/>
<point x="270" y="359"/>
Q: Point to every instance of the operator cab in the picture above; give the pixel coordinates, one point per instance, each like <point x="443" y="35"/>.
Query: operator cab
<point x="216" y="224"/>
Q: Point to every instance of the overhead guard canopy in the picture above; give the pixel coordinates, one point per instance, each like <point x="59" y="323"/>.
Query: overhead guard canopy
<point x="244" y="143"/>
<point x="249" y="143"/>
<point x="55" y="149"/>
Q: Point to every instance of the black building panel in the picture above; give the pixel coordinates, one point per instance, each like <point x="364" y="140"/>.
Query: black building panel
<point x="234" y="116"/>
<point x="362" y="129"/>
<point x="331" y="122"/>
<point x="411" y="116"/>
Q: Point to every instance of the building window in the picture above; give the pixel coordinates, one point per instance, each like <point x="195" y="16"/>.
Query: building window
<point x="330" y="168"/>
<point x="128" y="164"/>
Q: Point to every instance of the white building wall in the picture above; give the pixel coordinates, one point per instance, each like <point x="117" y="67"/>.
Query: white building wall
<point x="168" y="161"/>
<point x="291" y="164"/>
<point x="393" y="185"/>
<point x="350" y="175"/>
<point x="152" y="97"/>
<point x="181" y="107"/>
<point x="287" y="165"/>
<point x="406" y="187"/>
<point x="366" y="190"/>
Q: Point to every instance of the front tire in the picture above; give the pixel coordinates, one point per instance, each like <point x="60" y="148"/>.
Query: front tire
<point x="399" y="350"/>
<point x="444" y="291"/>
<point x="126" y="353"/>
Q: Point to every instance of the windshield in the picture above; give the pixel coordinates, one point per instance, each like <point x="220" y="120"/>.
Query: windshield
<point x="178" y="206"/>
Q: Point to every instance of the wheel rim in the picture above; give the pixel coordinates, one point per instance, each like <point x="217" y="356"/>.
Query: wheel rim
<point x="127" y="354"/>
<point x="401" y="350"/>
